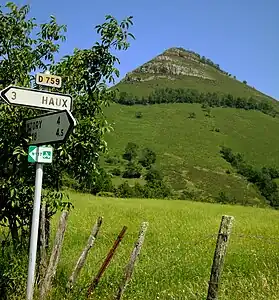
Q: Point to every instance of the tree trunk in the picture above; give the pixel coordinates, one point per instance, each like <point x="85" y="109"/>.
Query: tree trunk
<point x="14" y="231"/>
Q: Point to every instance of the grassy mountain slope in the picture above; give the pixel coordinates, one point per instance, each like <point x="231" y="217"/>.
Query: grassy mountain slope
<point x="188" y="148"/>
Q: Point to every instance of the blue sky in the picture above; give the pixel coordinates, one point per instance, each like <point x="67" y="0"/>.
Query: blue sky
<point x="241" y="36"/>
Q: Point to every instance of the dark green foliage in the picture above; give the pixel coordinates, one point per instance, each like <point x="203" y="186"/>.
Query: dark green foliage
<point x="188" y="194"/>
<point x="139" y="191"/>
<point x="192" y="115"/>
<point x="216" y="129"/>
<point x="262" y="178"/>
<point x="124" y="190"/>
<point x="148" y="157"/>
<point x="169" y="95"/>
<point x="208" y="112"/>
<point x="155" y="186"/>
<point x="106" y="194"/>
<point x="139" y="114"/>
<point x="133" y="170"/>
<point x="112" y="160"/>
<point x="244" y="81"/>
<point x="68" y="181"/>
<point x="131" y="151"/>
<point x="223" y="198"/>
<point x="100" y="182"/>
<point x="153" y="175"/>
<point x="116" y="172"/>
<point x="157" y="189"/>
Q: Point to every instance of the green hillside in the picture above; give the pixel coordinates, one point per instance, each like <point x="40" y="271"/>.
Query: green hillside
<point x="186" y="137"/>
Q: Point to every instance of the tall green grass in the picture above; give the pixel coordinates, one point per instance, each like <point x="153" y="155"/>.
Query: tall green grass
<point x="176" y="258"/>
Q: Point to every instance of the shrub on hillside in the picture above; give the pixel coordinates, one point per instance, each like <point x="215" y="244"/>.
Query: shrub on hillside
<point x="148" y="157"/>
<point x="101" y="182"/>
<point x="192" y="115"/>
<point x="116" y="172"/>
<point x="124" y="190"/>
<point x="153" y="175"/>
<point x="133" y="170"/>
<point x="223" y="198"/>
<point x="138" y="114"/>
<point x="112" y="160"/>
<point x="189" y="194"/>
<point x="262" y="178"/>
<point x="157" y="189"/>
<point x="105" y="194"/>
<point x="131" y="151"/>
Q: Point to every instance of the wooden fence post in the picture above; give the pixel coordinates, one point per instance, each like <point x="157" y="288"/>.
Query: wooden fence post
<point x="131" y="264"/>
<point x="54" y="258"/>
<point x="82" y="258"/>
<point x="219" y="256"/>
<point x="96" y="280"/>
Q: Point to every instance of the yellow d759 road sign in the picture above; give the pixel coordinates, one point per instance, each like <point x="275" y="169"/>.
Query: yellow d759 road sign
<point x="49" y="80"/>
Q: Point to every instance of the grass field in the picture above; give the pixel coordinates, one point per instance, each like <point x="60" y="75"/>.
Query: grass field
<point x="176" y="258"/>
<point x="188" y="149"/>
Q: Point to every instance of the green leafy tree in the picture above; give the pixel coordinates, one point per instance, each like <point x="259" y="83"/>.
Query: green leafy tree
<point x="153" y="175"/>
<point x="131" y="151"/>
<point x="26" y="47"/>
<point x="133" y="170"/>
<point x="148" y="158"/>
<point x="20" y="54"/>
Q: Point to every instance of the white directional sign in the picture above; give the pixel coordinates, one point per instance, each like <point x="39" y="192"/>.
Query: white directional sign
<point x="50" y="128"/>
<point x="44" y="100"/>
<point x="49" y="80"/>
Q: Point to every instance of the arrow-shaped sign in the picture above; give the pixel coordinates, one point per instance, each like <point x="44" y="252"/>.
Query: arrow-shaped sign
<point x="32" y="154"/>
<point x="50" y="128"/>
<point x="39" y="99"/>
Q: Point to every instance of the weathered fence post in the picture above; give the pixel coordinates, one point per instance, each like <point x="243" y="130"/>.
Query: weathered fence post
<point x="219" y="256"/>
<point x="54" y="258"/>
<point x="95" y="281"/>
<point x="131" y="264"/>
<point x="82" y="258"/>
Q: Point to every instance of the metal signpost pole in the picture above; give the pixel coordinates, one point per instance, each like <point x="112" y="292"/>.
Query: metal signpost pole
<point x="34" y="229"/>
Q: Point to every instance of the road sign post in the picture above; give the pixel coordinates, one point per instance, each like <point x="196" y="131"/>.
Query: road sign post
<point x="34" y="231"/>
<point x="15" y="95"/>
<point x="38" y="155"/>
<point x="46" y="129"/>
